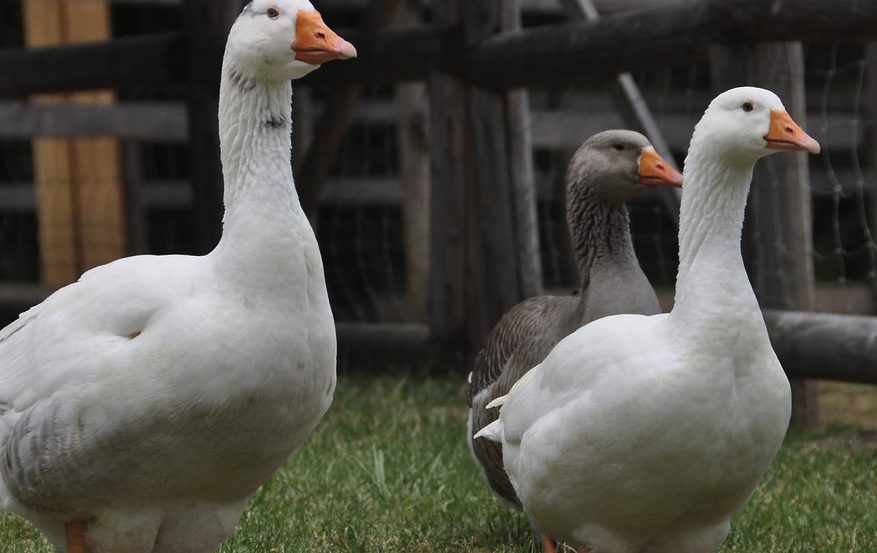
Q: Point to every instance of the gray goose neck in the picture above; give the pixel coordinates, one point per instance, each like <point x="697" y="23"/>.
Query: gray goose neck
<point x="600" y="233"/>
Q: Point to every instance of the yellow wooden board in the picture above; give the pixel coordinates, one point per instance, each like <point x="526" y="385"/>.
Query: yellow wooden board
<point x="79" y="183"/>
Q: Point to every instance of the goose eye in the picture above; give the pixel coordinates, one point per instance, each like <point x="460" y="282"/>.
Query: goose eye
<point x="747" y="107"/>
<point x="273" y="13"/>
<point x="620" y="146"/>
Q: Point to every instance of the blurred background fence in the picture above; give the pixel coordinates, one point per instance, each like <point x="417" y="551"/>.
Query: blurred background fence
<point x="432" y="167"/>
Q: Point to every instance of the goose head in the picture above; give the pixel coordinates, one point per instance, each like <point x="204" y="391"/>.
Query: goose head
<point x="618" y="165"/>
<point x="748" y="123"/>
<point x="283" y="39"/>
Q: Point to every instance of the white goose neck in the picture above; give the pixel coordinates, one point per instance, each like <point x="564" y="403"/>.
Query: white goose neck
<point x="264" y="225"/>
<point x="255" y="139"/>
<point x="712" y="285"/>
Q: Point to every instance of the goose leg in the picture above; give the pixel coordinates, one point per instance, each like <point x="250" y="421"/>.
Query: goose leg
<point x="75" y="531"/>
<point x="548" y="545"/>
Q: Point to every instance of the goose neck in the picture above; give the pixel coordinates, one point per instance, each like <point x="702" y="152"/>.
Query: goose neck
<point x="712" y="283"/>
<point x="255" y="134"/>
<point x="263" y="224"/>
<point x="600" y="236"/>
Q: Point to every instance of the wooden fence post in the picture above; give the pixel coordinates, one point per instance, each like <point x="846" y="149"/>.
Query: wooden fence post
<point x="777" y="243"/>
<point x="414" y="164"/>
<point x="482" y="188"/>
<point x="871" y="103"/>
<point x="79" y="182"/>
<point x="448" y="204"/>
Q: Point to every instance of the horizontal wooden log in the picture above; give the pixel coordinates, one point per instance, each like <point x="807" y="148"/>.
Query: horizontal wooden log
<point x="394" y="341"/>
<point x="646" y="39"/>
<point x="656" y="37"/>
<point x="635" y="41"/>
<point x="157" y="122"/>
<point x="825" y="346"/>
<point x="124" y="63"/>
<point x="793" y="20"/>
<point x="810" y="345"/>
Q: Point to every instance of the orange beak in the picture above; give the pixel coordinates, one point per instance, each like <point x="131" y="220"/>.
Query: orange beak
<point x="316" y="43"/>
<point x="785" y="134"/>
<point x="654" y="171"/>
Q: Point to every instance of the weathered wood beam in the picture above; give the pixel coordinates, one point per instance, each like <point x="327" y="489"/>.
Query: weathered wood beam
<point x="652" y="37"/>
<point x="144" y="121"/>
<point x="809" y="345"/>
<point x="121" y="63"/>
<point x="825" y="346"/>
<point x="793" y="20"/>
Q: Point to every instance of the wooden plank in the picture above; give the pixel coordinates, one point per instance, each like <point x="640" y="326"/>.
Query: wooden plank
<point x="56" y="221"/>
<point x="79" y="182"/>
<point x="494" y="266"/>
<point x="395" y="341"/>
<point x="792" y="20"/>
<point x="123" y="63"/>
<point x="97" y="172"/>
<point x="825" y="346"/>
<point x="362" y="191"/>
<point x="870" y="103"/>
<point x="412" y="130"/>
<point x="501" y="177"/>
<point x="414" y="155"/>
<point x="809" y="345"/>
<point x="138" y="121"/>
<point x="96" y="169"/>
<point x="564" y="126"/>
<point x="678" y="32"/>
<point x="479" y="191"/>
<point x="524" y="194"/>
<point x="448" y="222"/>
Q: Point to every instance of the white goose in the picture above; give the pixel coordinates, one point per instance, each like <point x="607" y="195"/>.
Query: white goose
<point x="648" y="434"/>
<point x="142" y="406"/>
<point x="608" y="169"/>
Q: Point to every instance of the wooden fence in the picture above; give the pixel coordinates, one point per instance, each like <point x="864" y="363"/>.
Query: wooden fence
<point x="482" y="235"/>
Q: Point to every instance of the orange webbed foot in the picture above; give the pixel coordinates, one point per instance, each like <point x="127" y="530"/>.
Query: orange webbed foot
<point x="75" y="531"/>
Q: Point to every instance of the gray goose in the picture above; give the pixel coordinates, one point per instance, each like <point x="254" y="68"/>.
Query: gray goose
<point x="610" y="168"/>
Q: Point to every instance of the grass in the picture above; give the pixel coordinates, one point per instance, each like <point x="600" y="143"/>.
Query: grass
<point x="389" y="470"/>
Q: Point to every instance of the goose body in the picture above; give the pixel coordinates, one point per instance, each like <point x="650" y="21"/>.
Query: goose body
<point x="648" y="434"/>
<point x="608" y="169"/>
<point x="141" y="406"/>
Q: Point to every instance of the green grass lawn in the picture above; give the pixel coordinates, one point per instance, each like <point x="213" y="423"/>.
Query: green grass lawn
<point x="389" y="470"/>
